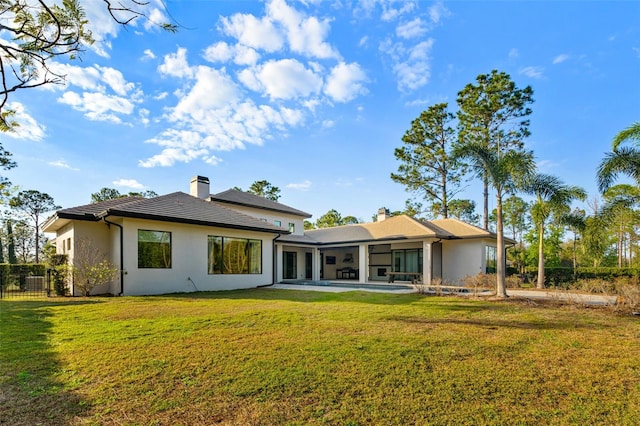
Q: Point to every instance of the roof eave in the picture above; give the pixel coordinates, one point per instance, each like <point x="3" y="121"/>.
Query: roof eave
<point x="134" y="215"/>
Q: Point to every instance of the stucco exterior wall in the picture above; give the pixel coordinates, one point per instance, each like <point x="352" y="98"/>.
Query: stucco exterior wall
<point x="97" y="233"/>
<point x="271" y="217"/>
<point x="462" y="258"/>
<point x="188" y="272"/>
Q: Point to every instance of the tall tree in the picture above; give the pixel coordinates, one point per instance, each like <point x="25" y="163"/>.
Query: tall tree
<point x="505" y="172"/>
<point x="464" y="210"/>
<point x="493" y="113"/>
<point x="329" y="219"/>
<point x="552" y="198"/>
<point x="427" y="167"/>
<point x="33" y="204"/>
<point x="265" y="189"/>
<point x="111" y="194"/>
<point x="622" y="215"/>
<point x="576" y="223"/>
<point x="622" y="160"/>
<point x="11" y="244"/>
<point x="41" y="31"/>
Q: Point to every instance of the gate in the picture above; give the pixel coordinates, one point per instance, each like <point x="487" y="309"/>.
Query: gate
<point x="23" y="285"/>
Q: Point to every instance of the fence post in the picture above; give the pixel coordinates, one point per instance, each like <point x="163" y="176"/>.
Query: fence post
<point x="48" y="282"/>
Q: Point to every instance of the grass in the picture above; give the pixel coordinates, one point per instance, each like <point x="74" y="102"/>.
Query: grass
<point x="293" y="357"/>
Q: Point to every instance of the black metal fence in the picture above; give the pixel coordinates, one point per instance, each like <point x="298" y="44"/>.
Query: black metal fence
<point x="23" y="285"/>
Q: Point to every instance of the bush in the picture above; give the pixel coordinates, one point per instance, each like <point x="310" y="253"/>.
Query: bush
<point x="59" y="273"/>
<point x="16" y="273"/>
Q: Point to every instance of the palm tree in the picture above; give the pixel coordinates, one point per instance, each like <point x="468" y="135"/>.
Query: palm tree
<point x="552" y="198"/>
<point x="625" y="160"/>
<point x="504" y="172"/>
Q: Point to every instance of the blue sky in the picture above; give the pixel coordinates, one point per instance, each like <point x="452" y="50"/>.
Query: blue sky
<point x="315" y="96"/>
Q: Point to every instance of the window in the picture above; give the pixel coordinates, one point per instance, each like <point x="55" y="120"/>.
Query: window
<point x="228" y="255"/>
<point x="68" y="244"/>
<point x="277" y="223"/>
<point x="154" y="249"/>
<point x="292" y="227"/>
<point x="408" y="260"/>
<point x="491" y="260"/>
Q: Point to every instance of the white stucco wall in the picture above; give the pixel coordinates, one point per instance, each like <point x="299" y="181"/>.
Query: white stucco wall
<point x="188" y="270"/>
<point x="97" y="233"/>
<point x="271" y="217"/>
<point x="461" y="258"/>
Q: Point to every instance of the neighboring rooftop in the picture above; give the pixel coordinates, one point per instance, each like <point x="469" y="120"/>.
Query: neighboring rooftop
<point x="241" y="198"/>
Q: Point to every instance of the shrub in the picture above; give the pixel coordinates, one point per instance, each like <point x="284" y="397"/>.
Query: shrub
<point x="59" y="273"/>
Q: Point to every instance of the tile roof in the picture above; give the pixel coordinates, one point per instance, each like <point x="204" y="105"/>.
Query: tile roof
<point x="394" y="228"/>
<point x="176" y="207"/>
<point x="233" y="196"/>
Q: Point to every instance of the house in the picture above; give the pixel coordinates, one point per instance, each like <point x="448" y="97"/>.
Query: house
<point x="232" y="240"/>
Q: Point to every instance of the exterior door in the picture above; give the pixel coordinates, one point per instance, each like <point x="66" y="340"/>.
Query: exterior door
<point x="308" y="265"/>
<point x="290" y="269"/>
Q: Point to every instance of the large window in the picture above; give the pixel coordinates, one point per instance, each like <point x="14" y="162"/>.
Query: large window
<point x="234" y="256"/>
<point x="491" y="260"/>
<point x="410" y="260"/>
<point x="154" y="249"/>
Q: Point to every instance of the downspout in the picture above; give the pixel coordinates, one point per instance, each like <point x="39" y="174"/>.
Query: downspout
<point x="121" y="253"/>
<point x="275" y="260"/>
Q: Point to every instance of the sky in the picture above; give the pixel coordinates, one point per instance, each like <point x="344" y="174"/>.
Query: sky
<point x="314" y="96"/>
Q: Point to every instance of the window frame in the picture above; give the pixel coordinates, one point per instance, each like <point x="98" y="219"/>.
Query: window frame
<point x="216" y="260"/>
<point x="169" y="243"/>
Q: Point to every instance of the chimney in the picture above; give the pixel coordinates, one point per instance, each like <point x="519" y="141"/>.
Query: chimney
<point x="199" y="187"/>
<point x="383" y="213"/>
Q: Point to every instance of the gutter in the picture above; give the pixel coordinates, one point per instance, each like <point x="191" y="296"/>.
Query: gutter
<point x="275" y="260"/>
<point x="104" y="218"/>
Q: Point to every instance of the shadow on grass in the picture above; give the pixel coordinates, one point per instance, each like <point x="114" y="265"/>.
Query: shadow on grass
<point x="493" y="323"/>
<point x="444" y="303"/>
<point x="30" y="392"/>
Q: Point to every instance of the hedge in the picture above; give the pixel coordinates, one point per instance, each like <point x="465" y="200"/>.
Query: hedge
<point x="9" y="270"/>
<point x="560" y="275"/>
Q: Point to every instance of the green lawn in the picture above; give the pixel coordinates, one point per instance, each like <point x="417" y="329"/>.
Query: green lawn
<point x="293" y="357"/>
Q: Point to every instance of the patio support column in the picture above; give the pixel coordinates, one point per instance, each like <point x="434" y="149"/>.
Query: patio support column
<point x="316" y="264"/>
<point x="426" y="262"/>
<point x="363" y="262"/>
<point x="279" y="262"/>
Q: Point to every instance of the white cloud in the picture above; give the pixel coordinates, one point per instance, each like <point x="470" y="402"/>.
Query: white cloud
<point x="345" y="82"/>
<point x="302" y="186"/>
<point x="128" y="183"/>
<point x="250" y="31"/>
<point x="283" y="79"/>
<point x="532" y="72"/>
<point x="176" y="65"/>
<point x="389" y="13"/>
<point x="437" y="12"/>
<point x="61" y="164"/>
<point x="363" y="41"/>
<point x="212" y="89"/>
<point x="116" y="81"/>
<point x="148" y="54"/>
<point x="218" y="52"/>
<point x="327" y="124"/>
<point x="306" y="35"/>
<point x="413" y="69"/>
<point x="161" y="96"/>
<point x="156" y="18"/>
<point x="411" y="29"/>
<point x="98" y="106"/>
<point x="28" y="128"/>
<point x="169" y="156"/>
<point x="513" y="53"/>
<point x="223" y="52"/>
<point x="560" y="58"/>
